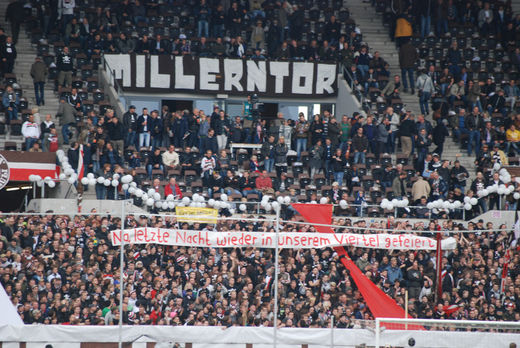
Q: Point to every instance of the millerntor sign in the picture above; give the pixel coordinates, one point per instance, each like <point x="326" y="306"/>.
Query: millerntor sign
<point x="169" y="74"/>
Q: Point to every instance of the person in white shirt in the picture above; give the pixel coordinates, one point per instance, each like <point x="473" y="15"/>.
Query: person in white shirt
<point x="170" y="158"/>
<point x="31" y="132"/>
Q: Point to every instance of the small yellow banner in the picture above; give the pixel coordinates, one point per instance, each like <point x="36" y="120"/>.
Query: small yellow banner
<point x="195" y="214"/>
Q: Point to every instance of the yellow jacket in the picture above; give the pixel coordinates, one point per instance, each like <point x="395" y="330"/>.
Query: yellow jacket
<point x="403" y="28"/>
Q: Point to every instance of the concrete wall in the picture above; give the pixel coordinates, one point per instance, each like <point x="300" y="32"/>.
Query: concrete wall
<point x="70" y="206"/>
<point x="346" y="104"/>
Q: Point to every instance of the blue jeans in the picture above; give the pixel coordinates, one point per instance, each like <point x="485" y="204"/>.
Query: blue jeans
<point x="404" y="72"/>
<point x="363" y="69"/>
<point x="252" y="192"/>
<point x="29" y="142"/>
<point x="101" y="191"/>
<point x="130" y="138"/>
<point x="338" y="177"/>
<point x="149" y="169"/>
<point x="474" y="136"/>
<point x="156" y="141"/>
<point x="218" y="30"/>
<point x="144" y="140"/>
<point x="423" y="101"/>
<point x="359" y="157"/>
<point x="65" y="132"/>
<point x="477" y="104"/>
<point x="211" y="192"/>
<point x="425" y="26"/>
<point x="301" y="146"/>
<point x="269" y="164"/>
<point x="203" y="28"/>
<point x="38" y="92"/>
<point x="391" y="142"/>
<point x="231" y="191"/>
<point x="12" y="114"/>
<point x="515" y="147"/>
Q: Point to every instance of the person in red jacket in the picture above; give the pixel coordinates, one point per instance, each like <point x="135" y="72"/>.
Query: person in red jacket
<point x="173" y="189"/>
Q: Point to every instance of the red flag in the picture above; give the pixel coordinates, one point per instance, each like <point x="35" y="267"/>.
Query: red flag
<point x="379" y="303"/>
<point x="449" y="310"/>
<point x="505" y="271"/>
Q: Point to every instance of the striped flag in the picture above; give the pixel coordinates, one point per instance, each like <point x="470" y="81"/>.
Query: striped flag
<point x="81" y="166"/>
<point x="449" y="310"/>
<point x="516" y="230"/>
<point x="22" y="164"/>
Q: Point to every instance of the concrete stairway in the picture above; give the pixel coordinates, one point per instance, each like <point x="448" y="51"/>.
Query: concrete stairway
<point x="375" y="34"/>
<point x="25" y="58"/>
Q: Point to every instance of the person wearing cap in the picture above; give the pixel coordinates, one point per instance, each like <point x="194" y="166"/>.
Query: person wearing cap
<point x="39" y="74"/>
<point x="130" y="126"/>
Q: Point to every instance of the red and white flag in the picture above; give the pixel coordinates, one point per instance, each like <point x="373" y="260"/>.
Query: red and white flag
<point x="22" y="164"/>
<point x="81" y="166"/>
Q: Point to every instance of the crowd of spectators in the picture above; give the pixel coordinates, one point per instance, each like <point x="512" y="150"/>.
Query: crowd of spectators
<point x="64" y="270"/>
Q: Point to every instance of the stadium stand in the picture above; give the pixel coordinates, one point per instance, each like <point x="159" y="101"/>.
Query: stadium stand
<point x="62" y="270"/>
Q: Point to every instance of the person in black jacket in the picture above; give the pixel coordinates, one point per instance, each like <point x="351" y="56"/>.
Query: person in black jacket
<point x="359" y="146"/>
<point x="110" y="156"/>
<point x="156" y="128"/>
<point x="65" y="66"/>
<point x="440" y="132"/>
<point x="15" y="14"/>
<point x="407" y="131"/>
<point x="338" y="163"/>
<point x="216" y="184"/>
<point x="130" y="126"/>
<point x="8" y="56"/>
<point x="154" y="162"/>
<point x="116" y="134"/>
<point x="209" y="142"/>
<point x="423" y="143"/>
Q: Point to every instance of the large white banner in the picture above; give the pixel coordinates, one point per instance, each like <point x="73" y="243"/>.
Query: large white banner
<point x="292" y="240"/>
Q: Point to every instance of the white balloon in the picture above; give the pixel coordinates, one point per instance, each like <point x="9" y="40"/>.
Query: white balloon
<point x="211" y="202"/>
<point x="158" y="205"/>
<point x="125" y="187"/>
<point x="429" y="205"/>
<point x="133" y="184"/>
<point x="150" y="192"/>
<point x="511" y="188"/>
<point x="383" y="205"/>
<point x="275" y="205"/>
<point x="139" y="193"/>
<point x="313" y="202"/>
<point x="71" y="180"/>
<point x="446" y="205"/>
<point x="457" y="204"/>
<point x="385" y="200"/>
<point x="263" y="204"/>
<point x="84" y="180"/>
<point x="406" y="202"/>
<point x="169" y="197"/>
<point x="242" y="207"/>
<point x="149" y="202"/>
<point x="485" y="192"/>
<point x="496" y="166"/>
<point x="224" y="197"/>
<point x="157" y="196"/>
<point x="280" y="199"/>
<point x="164" y="205"/>
<point x="60" y="152"/>
<point x="145" y="196"/>
<point x="268" y="207"/>
<point x="47" y="179"/>
<point x="92" y="181"/>
<point x="516" y="195"/>
<point x="32" y="178"/>
<point x="466" y="199"/>
<point x="390" y="206"/>
<point x="517" y="179"/>
<point x="171" y="204"/>
<point x="195" y="197"/>
<point x="287" y="199"/>
<point x="116" y="176"/>
<point x="131" y="190"/>
<point x="323" y="200"/>
<point x="343" y="204"/>
<point x="503" y="171"/>
<point x="115" y="183"/>
<point x="90" y="175"/>
<point x="266" y="198"/>
<point x="186" y="200"/>
<point x="193" y="204"/>
<point x="473" y="201"/>
<point x="39" y="183"/>
<point x="61" y="177"/>
<point x="394" y="201"/>
<point x="232" y="211"/>
<point x="467" y="206"/>
<point x="69" y="171"/>
<point x="106" y="182"/>
<point x="51" y="184"/>
<point x="100" y="180"/>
